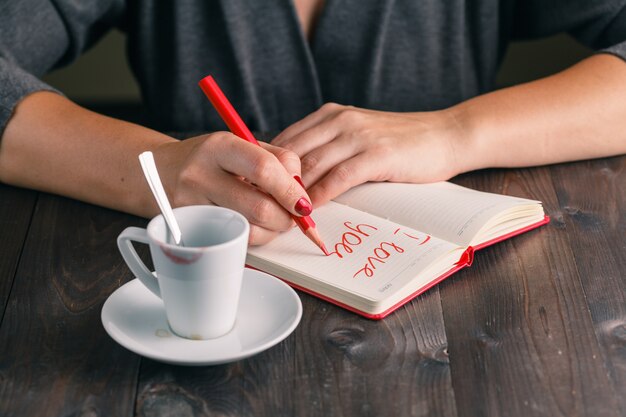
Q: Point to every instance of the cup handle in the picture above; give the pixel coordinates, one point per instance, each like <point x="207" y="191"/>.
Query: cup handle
<point x="136" y="265"/>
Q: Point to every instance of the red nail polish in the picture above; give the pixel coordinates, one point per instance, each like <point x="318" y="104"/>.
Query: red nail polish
<point x="297" y="178"/>
<point x="303" y="207"/>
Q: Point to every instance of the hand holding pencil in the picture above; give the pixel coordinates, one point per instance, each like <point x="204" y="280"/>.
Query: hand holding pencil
<point x="238" y="127"/>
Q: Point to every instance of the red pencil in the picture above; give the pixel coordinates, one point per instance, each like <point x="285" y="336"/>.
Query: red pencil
<point x="230" y="116"/>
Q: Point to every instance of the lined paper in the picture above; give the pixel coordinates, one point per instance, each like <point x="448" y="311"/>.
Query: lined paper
<point x="443" y="209"/>
<point x="370" y="256"/>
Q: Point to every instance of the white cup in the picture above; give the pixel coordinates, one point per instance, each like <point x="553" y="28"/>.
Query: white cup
<point x="200" y="282"/>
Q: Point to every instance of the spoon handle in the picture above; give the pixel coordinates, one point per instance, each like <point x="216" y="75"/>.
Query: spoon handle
<point x="146" y="159"/>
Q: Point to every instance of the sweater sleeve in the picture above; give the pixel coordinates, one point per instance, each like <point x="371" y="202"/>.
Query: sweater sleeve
<point x="600" y="25"/>
<point x="37" y="36"/>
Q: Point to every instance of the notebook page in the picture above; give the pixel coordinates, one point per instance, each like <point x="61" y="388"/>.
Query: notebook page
<point x="443" y="209"/>
<point x="370" y="256"/>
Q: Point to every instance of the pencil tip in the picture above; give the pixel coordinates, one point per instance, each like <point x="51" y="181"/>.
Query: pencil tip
<point x="312" y="234"/>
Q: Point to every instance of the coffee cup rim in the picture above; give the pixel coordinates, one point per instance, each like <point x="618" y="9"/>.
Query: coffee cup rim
<point x="231" y="242"/>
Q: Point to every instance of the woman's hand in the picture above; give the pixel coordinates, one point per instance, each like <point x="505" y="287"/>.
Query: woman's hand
<point x="51" y="144"/>
<point x="342" y="146"/>
<point x="220" y="169"/>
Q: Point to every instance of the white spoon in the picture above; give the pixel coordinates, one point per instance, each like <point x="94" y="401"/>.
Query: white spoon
<point x="146" y="159"/>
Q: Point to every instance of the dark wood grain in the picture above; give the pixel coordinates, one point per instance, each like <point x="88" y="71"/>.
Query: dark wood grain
<point x="536" y="327"/>
<point x="592" y="197"/>
<point x="55" y="358"/>
<point x="521" y="337"/>
<point x="335" y="363"/>
<point x="16" y="209"/>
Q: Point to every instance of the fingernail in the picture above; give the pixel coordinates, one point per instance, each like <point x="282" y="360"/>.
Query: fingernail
<point x="303" y="207"/>
<point x="297" y="178"/>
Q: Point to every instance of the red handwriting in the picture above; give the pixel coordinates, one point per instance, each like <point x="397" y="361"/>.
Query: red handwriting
<point x="383" y="251"/>
<point x="354" y="237"/>
<point x="357" y="234"/>
<point x="413" y="237"/>
<point x="380" y="254"/>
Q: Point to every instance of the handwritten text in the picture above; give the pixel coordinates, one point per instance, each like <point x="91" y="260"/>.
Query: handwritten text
<point x="357" y="234"/>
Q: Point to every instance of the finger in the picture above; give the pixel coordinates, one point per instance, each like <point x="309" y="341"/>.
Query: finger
<point x="344" y="176"/>
<point x="260" y="236"/>
<point x="315" y="130"/>
<point x="265" y="170"/>
<point x="306" y="123"/>
<point x="316" y="136"/>
<point x="289" y="159"/>
<point x="321" y="160"/>
<point x="258" y="207"/>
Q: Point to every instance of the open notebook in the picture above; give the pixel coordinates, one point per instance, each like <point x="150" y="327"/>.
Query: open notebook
<point x="389" y="242"/>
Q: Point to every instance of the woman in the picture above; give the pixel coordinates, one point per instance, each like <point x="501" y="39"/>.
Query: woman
<point x="415" y="80"/>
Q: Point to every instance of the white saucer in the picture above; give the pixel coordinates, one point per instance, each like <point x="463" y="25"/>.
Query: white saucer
<point x="269" y="310"/>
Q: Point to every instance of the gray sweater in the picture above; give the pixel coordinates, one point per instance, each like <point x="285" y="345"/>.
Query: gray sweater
<point x="395" y="55"/>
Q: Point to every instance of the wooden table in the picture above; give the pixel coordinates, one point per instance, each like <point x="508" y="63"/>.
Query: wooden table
<point x="536" y="327"/>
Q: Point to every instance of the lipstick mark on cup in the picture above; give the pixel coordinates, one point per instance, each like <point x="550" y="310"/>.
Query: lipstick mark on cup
<point x="181" y="259"/>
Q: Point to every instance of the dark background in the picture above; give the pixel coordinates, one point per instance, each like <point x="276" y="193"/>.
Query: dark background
<point x="101" y="78"/>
